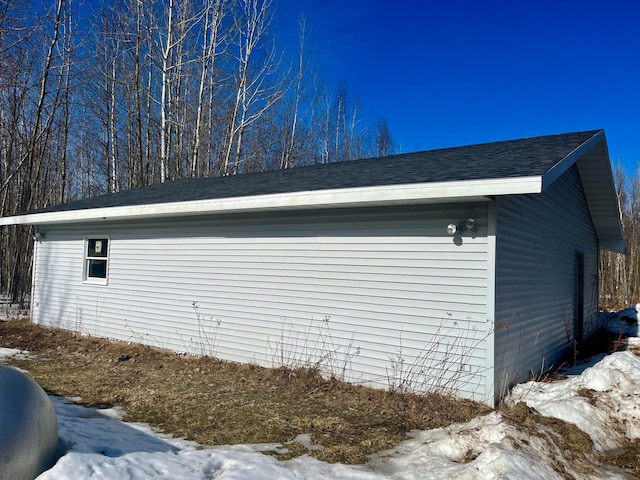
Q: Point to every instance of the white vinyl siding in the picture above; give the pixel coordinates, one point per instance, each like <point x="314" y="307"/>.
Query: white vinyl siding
<point x="363" y="292"/>
<point x="537" y="240"/>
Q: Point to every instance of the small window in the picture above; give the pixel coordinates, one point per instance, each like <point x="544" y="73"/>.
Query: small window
<point x="96" y="260"/>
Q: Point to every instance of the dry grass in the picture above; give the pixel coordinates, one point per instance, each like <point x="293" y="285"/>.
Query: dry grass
<point x="215" y="402"/>
<point x="627" y="458"/>
<point x="567" y="436"/>
<point x="568" y="441"/>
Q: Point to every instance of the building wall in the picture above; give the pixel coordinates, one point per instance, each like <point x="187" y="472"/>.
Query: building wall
<point x="537" y="237"/>
<point x="379" y="296"/>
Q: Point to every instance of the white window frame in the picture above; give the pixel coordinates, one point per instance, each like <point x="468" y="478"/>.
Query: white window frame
<point x="86" y="259"/>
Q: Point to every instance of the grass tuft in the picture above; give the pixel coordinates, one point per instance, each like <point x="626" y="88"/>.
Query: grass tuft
<point x="214" y="402"/>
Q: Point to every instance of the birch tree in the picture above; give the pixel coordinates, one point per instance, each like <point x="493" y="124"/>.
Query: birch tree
<point x="167" y="44"/>
<point x="384" y="140"/>
<point x="29" y="120"/>
<point x="620" y="273"/>
<point x="290" y="135"/>
<point x="211" y="45"/>
<point x="341" y="133"/>
<point x="160" y="89"/>
<point x="255" y="88"/>
<point x="174" y="29"/>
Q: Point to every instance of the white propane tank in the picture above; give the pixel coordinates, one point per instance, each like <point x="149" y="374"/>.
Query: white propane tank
<point x="28" y="427"/>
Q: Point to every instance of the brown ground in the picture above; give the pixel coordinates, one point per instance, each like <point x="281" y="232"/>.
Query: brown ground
<point x="215" y="402"/>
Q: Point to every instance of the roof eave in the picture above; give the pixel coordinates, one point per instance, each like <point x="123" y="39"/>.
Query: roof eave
<point x="594" y="168"/>
<point x="563" y="165"/>
<point x="616" y="245"/>
<point x="418" y="193"/>
<point x="598" y="185"/>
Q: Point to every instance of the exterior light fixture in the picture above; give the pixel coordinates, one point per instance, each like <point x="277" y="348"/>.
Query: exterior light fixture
<point x="460" y="227"/>
<point x="38" y="236"/>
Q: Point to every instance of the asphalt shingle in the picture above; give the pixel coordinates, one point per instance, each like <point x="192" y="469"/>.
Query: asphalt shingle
<point x="507" y="159"/>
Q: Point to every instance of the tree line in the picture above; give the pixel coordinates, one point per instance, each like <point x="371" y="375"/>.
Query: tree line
<point x="101" y="98"/>
<point x="620" y="274"/>
<point x="127" y="93"/>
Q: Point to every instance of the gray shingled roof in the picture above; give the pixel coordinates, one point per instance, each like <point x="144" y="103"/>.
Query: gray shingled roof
<point x="514" y="158"/>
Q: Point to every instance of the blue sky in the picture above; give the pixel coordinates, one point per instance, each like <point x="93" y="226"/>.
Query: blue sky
<point x="459" y="72"/>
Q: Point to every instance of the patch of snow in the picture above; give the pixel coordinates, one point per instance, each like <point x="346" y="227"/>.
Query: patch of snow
<point x="485" y="448"/>
<point x="608" y="415"/>
<point x="305" y="440"/>
<point x="601" y="397"/>
<point x="12" y="352"/>
<point x="99" y="446"/>
<point x="624" y="322"/>
<point x="10" y="310"/>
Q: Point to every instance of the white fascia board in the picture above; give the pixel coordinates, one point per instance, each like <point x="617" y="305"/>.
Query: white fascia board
<point x="440" y="192"/>
<point x="614" y="245"/>
<point x="563" y="165"/>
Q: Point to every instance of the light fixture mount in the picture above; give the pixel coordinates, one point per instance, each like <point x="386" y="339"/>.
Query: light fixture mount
<point x="461" y="226"/>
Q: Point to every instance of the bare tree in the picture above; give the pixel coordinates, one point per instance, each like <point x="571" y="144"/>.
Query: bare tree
<point x="159" y="89"/>
<point x="211" y="44"/>
<point x="384" y="140"/>
<point x="138" y="151"/>
<point x="255" y="92"/>
<point x="342" y="137"/>
<point x="287" y="151"/>
<point x="620" y="274"/>
<point x="31" y="123"/>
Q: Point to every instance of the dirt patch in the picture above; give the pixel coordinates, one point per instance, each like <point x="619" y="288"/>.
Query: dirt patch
<point x="215" y="402"/>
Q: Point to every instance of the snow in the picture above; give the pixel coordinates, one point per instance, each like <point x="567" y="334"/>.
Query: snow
<point x="601" y="397"/>
<point x="10" y="310"/>
<point x="614" y="381"/>
<point x="498" y="448"/>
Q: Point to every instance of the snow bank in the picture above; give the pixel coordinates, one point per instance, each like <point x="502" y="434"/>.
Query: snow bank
<point x="487" y="448"/>
<point x="12" y="352"/>
<point x="624" y="322"/>
<point x="604" y="401"/>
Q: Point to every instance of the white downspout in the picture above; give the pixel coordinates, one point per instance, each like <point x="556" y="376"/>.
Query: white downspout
<point x="490" y="371"/>
<point x="32" y="300"/>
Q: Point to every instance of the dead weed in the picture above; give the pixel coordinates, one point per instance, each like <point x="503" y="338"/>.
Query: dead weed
<point x="626" y="458"/>
<point x="569" y="441"/>
<point x="215" y="402"/>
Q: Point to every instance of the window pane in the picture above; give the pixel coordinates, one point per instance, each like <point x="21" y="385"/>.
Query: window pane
<point x="97" y="268"/>
<point x="97" y="248"/>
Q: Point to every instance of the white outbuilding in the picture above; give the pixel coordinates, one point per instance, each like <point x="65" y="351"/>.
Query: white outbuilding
<point x="463" y="269"/>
